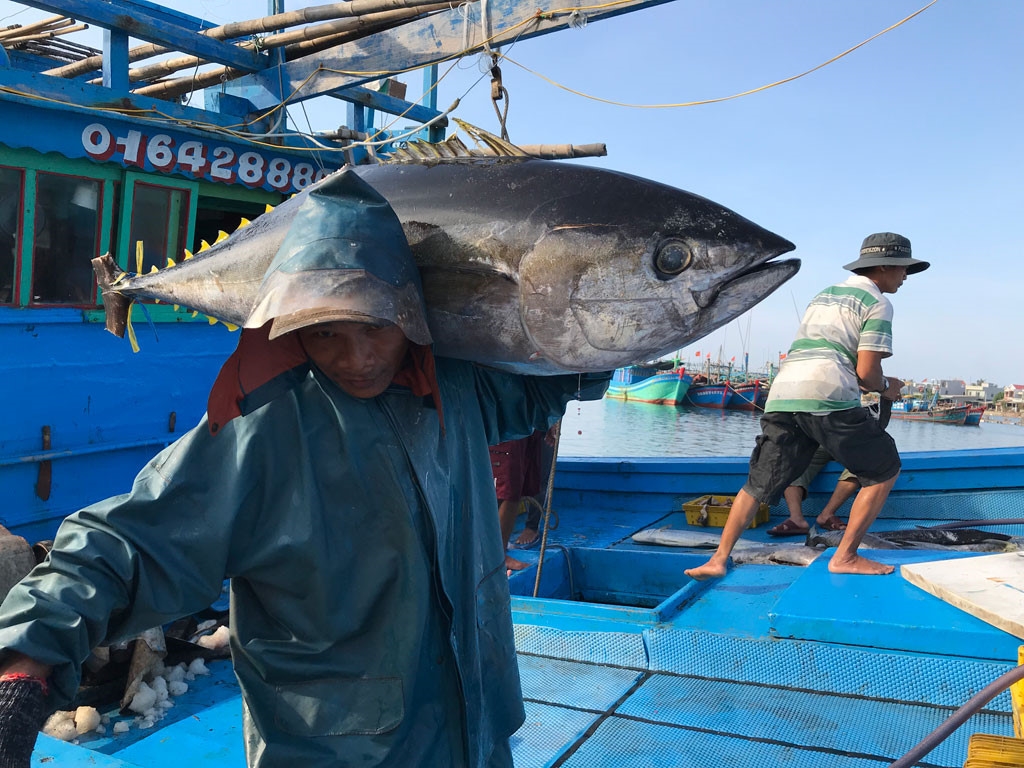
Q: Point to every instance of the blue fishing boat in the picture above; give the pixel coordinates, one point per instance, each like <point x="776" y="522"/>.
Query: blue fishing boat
<point x="708" y="395"/>
<point x="918" y="410"/>
<point x="974" y="414"/>
<point x="651" y="383"/>
<point x="748" y="396"/>
<point x="624" y="661"/>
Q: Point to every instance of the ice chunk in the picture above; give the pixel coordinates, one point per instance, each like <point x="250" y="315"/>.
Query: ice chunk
<point x="218" y="639"/>
<point x="159" y="686"/>
<point x="176" y="674"/>
<point x="198" y="667"/>
<point x="177" y="688"/>
<point x="143" y="699"/>
<point x="86" y="719"/>
<point x="122" y="726"/>
<point x="61" y="725"/>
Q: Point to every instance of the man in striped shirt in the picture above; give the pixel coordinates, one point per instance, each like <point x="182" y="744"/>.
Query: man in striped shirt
<point x="845" y="334"/>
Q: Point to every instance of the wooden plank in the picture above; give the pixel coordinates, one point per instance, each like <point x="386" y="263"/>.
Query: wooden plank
<point x="990" y="587"/>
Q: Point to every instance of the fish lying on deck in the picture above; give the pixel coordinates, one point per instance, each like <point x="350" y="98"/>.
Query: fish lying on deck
<point x="776" y="554"/>
<point x="528" y="265"/>
<point x="675" y="537"/>
<point x="745" y="552"/>
<point x="962" y="540"/>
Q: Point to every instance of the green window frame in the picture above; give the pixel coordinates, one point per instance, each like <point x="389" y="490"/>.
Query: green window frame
<point x="118" y="189"/>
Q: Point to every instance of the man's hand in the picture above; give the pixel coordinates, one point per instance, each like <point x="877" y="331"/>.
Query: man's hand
<point x="892" y="392"/>
<point x="22" y="714"/>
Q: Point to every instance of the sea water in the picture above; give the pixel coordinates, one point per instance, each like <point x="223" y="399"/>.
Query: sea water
<point x="618" y="428"/>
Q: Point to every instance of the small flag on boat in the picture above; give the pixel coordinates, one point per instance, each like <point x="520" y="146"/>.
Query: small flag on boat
<point x="698" y="353"/>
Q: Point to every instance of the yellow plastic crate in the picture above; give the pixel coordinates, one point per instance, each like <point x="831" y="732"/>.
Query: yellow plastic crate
<point x="987" y="751"/>
<point x="1017" y="699"/>
<point x="713" y="510"/>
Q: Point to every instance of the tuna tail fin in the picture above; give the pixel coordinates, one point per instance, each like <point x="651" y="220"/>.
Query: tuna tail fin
<point x="116" y="305"/>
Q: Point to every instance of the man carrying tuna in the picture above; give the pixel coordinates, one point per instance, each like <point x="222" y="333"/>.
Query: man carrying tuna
<point x="340" y="480"/>
<point x="845" y="334"/>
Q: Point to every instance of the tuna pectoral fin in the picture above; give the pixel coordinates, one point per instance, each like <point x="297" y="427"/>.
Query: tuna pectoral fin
<point x="115" y="305"/>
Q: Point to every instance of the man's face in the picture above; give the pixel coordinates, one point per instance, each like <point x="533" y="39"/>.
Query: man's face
<point x="891" y="278"/>
<point x="361" y="358"/>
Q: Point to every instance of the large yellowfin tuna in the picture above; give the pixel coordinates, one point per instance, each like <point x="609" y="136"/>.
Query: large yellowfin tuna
<point x="527" y="265"/>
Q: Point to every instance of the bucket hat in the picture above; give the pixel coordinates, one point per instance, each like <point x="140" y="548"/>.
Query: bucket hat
<point x="887" y="249"/>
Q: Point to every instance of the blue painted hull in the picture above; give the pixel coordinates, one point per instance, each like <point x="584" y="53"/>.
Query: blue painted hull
<point x="708" y="395"/>
<point x="747" y="397"/>
<point x="109" y="410"/>
<point x="668" y="388"/>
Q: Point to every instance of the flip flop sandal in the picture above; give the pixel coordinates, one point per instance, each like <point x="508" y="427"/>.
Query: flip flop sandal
<point x="528" y="545"/>
<point x="788" y="528"/>
<point x="832" y="524"/>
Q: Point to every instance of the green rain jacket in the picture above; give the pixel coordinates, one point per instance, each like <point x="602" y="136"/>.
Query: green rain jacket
<point x="370" y="606"/>
<point x="370" y="620"/>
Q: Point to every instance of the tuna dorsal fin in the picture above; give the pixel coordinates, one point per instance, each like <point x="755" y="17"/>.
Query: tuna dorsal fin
<point x="453" y="149"/>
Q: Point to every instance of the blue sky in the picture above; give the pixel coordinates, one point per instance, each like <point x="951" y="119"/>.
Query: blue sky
<point x="918" y="132"/>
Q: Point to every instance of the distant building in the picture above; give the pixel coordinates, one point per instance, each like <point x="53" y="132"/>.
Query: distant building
<point x="1013" y="395"/>
<point x="950" y="387"/>
<point x="983" y="391"/>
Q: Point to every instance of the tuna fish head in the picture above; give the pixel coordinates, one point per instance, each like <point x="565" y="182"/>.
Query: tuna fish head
<point x="627" y="270"/>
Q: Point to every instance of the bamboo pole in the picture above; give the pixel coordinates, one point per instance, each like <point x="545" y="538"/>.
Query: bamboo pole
<point x="564" y="151"/>
<point x="44" y="35"/>
<point x="55" y="21"/>
<point x="255" y="26"/>
<point x="174" y="88"/>
<point x="317" y="31"/>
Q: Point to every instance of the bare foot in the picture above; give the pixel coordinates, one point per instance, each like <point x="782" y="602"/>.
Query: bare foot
<point x="527" y="537"/>
<point x="710" y="570"/>
<point x="511" y="564"/>
<point x="860" y="565"/>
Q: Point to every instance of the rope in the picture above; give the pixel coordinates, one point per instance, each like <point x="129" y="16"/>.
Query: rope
<point x="499" y="92"/>
<point x="702" y="102"/>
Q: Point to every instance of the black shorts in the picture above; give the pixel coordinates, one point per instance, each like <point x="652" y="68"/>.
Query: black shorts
<point x="788" y="441"/>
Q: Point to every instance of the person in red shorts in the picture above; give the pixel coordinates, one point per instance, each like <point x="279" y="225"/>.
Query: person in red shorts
<point x="516" y="467"/>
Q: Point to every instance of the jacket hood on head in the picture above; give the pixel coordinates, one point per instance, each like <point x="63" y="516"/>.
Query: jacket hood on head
<point x="345" y="257"/>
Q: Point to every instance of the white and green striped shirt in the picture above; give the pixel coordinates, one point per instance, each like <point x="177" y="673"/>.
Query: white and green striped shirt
<point x="819" y="373"/>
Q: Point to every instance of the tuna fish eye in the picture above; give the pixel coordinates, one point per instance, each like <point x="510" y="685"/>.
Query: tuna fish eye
<point x="671" y="258"/>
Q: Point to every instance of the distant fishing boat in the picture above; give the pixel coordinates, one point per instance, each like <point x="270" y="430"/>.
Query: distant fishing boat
<point x="650" y="383"/>
<point x="974" y="413"/>
<point x="953" y="414"/>
<point x="707" y="395"/>
<point x="710" y="389"/>
<point x="749" y="396"/>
